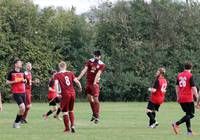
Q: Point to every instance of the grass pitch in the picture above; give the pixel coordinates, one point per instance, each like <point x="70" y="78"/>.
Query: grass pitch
<point x="119" y="121"/>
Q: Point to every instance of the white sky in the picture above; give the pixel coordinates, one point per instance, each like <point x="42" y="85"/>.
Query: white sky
<point x="81" y="5"/>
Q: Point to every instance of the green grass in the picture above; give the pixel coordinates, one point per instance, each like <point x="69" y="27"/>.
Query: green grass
<point x="119" y="121"/>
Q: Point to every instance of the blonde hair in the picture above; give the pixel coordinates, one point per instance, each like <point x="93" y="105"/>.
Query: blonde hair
<point x="162" y="70"/>
<point x="28" y="63"/>
<point x="62" y="65"/>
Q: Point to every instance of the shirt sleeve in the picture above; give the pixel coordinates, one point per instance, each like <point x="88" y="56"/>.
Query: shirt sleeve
<point x="192" y="83"/>
<point x="87" y="64"/>
<point x="102" y="67"/>
<point x="9" y="76"/>
<point x="156" y="84"/>
<point x="73" y="76"/>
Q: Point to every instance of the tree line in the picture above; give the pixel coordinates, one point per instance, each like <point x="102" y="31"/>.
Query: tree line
<point x="135" y="38"/>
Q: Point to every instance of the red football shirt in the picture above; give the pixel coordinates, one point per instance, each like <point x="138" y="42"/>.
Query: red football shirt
<point x="17" y="88"/>
<point x="52" y="94"/>
<point x="28" y="77"/>
<point x="66" y="80"/>
<point x="160" y="85"/>
<point x="185" y="83"/>
<point x="93" y="67"/>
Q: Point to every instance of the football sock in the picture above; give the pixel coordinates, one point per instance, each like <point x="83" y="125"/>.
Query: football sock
<point x="188" y="125"/>
<point x="18" y="118"/>
<point x="49" y="112"/>
<point x="184" y="119"/>
<point x="97" y="107"/>
<point x="66" y="122"/>
<point x="92" y="107"/>
<point x="151" y="118"/>
<point x="58" y="111"/>
<point x="71" y="117"/>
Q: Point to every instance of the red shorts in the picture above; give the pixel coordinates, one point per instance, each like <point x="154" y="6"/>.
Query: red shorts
<point x="28" y="96"/>
<point x="67" y="102"/>
<point x="93" y="90"/>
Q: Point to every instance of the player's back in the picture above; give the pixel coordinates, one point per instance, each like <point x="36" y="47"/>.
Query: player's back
<point x="66" y="80"/>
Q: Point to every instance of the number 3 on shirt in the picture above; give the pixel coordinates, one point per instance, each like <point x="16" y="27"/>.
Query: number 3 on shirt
<point x="67" y="81"/>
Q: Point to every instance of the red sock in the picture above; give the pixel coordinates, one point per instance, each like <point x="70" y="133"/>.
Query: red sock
<point x="97" y="108"/>
<point x="71" y="117"/>
<point x="26" y="113"/>
<point x="66" y="122"/>
<point x="92" y="104"/>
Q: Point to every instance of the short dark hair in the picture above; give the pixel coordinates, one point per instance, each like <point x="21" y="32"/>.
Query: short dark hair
<point x="188" y="65"/>
<point x="16" y="61"/>
<point x="52" y="72"/>
<point x="97" y="53"/>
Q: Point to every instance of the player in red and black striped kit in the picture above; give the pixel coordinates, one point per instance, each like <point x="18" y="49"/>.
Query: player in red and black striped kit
<point x="157" y="97"/>
<point x="53" y="98"/>
<point x="16" y="79"/>
<point x="185" y="90"/>
<point x="94" y="68"/>
<point x="65" y="79"/>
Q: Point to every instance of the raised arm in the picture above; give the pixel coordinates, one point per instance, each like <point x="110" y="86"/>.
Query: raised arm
<point x="83" y="72"/>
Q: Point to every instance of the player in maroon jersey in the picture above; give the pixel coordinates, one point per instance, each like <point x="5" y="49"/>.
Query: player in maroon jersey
<point x="28" y="77"/>
<point x="185" y="90"/>
<point x="65" y="80"/>
<point x="16" y="79"/>
<point x="94" y="68"/>
<point x="157" y="97"/>
<point x="53" y="98"/>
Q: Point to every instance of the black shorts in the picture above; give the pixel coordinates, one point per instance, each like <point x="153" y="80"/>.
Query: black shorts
<point x="19" y="98"/>
<point x="54" y="101"/>
<point x="188" y="108"/>
<point x="152" y="106"/>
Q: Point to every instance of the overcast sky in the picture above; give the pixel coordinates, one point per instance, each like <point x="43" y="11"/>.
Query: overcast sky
<point x="81" y="5"/>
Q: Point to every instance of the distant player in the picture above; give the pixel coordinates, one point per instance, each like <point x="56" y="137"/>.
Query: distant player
<point x="53" y="98"/>
<point x="94" y="68"/>
<point x="29" y="82"/>
<point x="185" y="90"/>
<point x="157" y="97"/>
<point x="16" y="79"/>
<point x="66" y="79"/>
<point x="1" y="106"/>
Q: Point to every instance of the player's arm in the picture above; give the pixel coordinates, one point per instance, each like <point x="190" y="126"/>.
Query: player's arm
<point x="78" y="85"/>
<point x="83" y="72"/>
<point x="10" y="81"/>
<point x="56" y="86"/>
<point x="1" y="107"/>
<point x="155" y="87"/>
<point x="97" y="77"/>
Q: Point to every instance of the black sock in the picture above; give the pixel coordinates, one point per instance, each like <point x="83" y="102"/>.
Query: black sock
<point x="58" y="111"/>
<point x="184" y="119"/>
<point x="18" y="118"/>
<point x="154" y="114"/>
<point x="151" y="118"/>
<point x="49" y="113"/>
<point x="188" y="125"/>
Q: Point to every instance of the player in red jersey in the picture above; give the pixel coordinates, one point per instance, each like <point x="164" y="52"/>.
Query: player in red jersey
<point x="1" y="107"/>
<point x="28" y="77"/>
<point x="94" y="68"/>
<point x="157" y="97"/>
<point x="16" y="79"/>
<point x="65" y="80"/>
<point x="185" y="90"/>
<point x="53" y="98"/>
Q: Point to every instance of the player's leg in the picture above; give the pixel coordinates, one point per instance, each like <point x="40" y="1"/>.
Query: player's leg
<point x="58" y="109"/>
<point x="190" y="112"/>
<point x="151" y="113"/>
<point x="20" y="100"/>
<point x="95" y="93"/>
<point x="53" y="108"/>
<point x="90" y="100"/>
<point x="28" y="106"/>
<point x="65" y="110"/>
<point x="71" y="112"/>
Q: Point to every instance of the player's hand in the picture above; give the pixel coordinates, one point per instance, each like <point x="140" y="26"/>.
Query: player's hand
<point x="37" y="81"/>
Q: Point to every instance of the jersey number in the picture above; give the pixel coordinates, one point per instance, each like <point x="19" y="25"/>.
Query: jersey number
<point x="163" y="88"/>
<point x="67" y="81"/>
<point x="182" y="81"/>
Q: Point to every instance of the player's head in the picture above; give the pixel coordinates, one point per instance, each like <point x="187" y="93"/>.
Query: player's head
<point x="188" y="65"/>
<point x="18" y="64"/>
<point x="97" y="55"/>
<point x="28" y="66"/>
<point x="62" y="66"/>
<point x="160" y="71"/>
